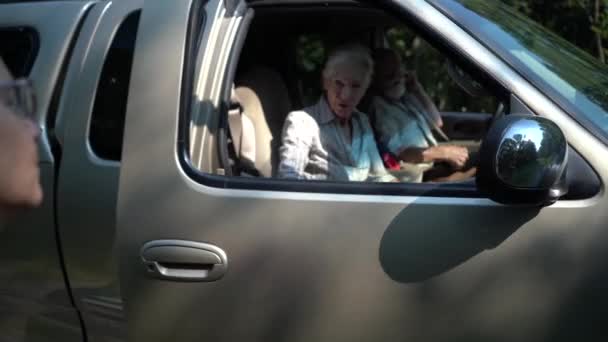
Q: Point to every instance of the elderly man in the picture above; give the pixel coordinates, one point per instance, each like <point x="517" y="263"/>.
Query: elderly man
<point x="403" y="115"/>
<point x="19" y="173"/>
<point x="331" y="140"/>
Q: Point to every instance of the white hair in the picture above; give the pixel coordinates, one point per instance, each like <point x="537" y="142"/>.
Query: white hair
<point x="355" y="56"/>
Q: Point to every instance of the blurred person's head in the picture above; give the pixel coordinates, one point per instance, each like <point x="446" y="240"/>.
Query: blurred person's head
<point x="346" y="77"/>
<point x="19" y="172"/>
<point x="389" y="80"/>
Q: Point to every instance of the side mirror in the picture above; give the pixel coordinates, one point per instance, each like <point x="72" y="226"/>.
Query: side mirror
<point x="523" y="160"/>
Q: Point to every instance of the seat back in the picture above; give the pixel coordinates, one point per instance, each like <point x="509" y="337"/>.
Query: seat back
<point x="265" y="101"/>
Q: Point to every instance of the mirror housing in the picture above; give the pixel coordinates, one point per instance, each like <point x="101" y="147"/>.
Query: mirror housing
<point x="523" y="160"/>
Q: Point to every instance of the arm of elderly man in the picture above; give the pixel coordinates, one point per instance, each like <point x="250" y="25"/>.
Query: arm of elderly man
<point x="406" y="135"/>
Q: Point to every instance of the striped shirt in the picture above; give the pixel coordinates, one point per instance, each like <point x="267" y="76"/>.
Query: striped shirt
<point x="315" y="147"/>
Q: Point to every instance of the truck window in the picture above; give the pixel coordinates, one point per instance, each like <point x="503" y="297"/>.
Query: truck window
<point x="109" y="110"/>
<point x="18" y="49"/>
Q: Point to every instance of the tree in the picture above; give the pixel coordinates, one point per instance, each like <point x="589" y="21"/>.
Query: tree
<point x="596" y="11"/>
<point x="582" y="22"/>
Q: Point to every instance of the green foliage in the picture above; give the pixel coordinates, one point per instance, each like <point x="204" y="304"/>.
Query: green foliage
<point x="577" y="73"/>
<point x="522" y="6"/>
<point x="310" y="57"/>
<point x="582" y="22"/>
<point x="310" y="52"/>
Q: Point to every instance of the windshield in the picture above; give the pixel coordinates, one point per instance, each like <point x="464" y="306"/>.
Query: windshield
<point x="575" y="80"/>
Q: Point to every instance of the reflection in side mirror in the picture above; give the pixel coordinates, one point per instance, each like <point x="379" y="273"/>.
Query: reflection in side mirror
<point x="523" y="161"/>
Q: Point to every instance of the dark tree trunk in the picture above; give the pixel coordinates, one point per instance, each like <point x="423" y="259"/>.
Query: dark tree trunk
<point x="598" y="34"/>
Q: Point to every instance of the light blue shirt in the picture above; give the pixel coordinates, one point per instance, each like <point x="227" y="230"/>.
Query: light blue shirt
<point x="400" y="125"/>
<point x="314" y="147"/>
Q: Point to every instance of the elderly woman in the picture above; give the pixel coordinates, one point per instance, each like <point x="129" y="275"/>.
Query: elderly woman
<point x="403" y="115"/>
<point x="331" y="140"/>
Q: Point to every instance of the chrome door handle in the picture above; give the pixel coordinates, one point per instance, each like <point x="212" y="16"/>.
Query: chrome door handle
<point x="181" y="260"/>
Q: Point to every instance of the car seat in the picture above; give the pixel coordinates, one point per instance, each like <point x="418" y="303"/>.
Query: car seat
<point x="264" y="99"/>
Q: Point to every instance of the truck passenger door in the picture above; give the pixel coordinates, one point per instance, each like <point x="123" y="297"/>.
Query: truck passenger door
<point x="205" y="256"/>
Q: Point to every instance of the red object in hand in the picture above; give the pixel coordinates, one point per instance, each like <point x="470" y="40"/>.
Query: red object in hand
<point x="390" y="162"/>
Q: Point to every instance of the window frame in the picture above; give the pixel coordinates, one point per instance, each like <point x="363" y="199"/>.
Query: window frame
<point x="453" y="190"/>
<point x="134" y="15"/>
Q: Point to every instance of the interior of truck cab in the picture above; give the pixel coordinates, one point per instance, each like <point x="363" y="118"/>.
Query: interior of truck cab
<point x="278" y="69"/>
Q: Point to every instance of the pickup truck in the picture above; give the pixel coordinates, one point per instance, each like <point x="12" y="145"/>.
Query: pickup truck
<point x="153" y="229"/>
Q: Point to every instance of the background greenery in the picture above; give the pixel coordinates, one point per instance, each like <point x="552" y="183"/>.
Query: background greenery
<point x="581" y="22"/>
<point x="431" y="68"/>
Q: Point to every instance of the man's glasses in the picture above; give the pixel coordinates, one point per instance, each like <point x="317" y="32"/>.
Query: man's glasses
<point x="18" y="96"/>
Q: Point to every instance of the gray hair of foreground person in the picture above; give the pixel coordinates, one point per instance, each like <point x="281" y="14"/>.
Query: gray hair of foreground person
<point x="354" y="57"/>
